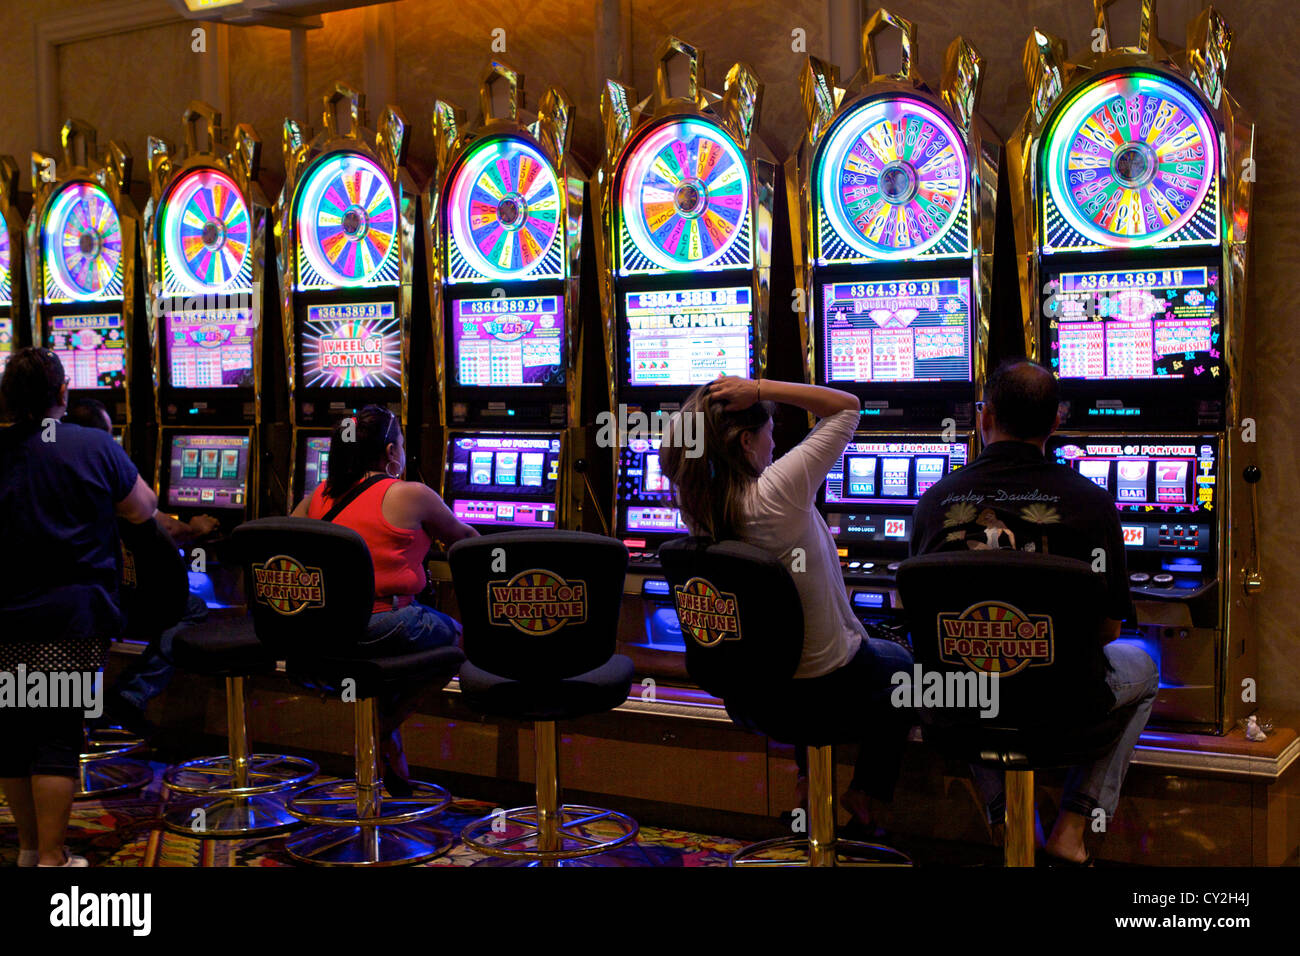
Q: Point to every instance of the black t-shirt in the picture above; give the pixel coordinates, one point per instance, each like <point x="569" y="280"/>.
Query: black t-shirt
<point x="1011" y="496"/>
<point x="57" y="492"/>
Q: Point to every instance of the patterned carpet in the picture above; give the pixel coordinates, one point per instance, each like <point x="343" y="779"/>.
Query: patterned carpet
<point x="124" y="830"/>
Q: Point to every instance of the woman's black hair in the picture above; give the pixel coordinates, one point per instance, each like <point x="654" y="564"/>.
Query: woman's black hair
<point x="359" y="445"/>
<point x="31" y="383"/>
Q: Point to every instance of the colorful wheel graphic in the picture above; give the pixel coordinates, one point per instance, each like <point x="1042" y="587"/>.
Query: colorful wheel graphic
<point x="82" y="241"/>
<point x="206" y="230"/>
<point x="505" y="208"/>
<point x="685" y="194"/>
<point x="4" y="263"/>
<point x="893" y="177"/>
<point x="1130" y="159"/>
<point x="347" y="219"/>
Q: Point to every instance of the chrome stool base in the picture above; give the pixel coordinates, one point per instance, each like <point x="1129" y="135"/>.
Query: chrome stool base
<point x="369" y="845"/>
<point x="796" y="851"/>
<point x="579" y="832"/>
<point x="335" y="804"/>
<point x="228" y="815"/>
<point x="101" y="769"/>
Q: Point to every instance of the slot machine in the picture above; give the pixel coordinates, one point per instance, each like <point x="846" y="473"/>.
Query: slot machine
<point x="1130" y="175"/>
<point x="205" y="237"/>
<point x="11" y="260"/>
<point x="892" y="194"/>
<point x="503" y="221"/>
<point x="82" y="236"/>
<point x="345" y="234"/>
<point x="685" y="197"/>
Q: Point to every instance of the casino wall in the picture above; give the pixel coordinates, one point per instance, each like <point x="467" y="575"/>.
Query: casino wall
<point x="129" y="67"/>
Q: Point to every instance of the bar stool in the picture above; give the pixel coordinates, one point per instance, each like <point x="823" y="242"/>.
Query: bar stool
<point x="1045" y="613"/>
<point x="540" y="611"/>
<point x="310" y="587"/>
<point x="237" y="794"/>
<point x="742" y="621"/>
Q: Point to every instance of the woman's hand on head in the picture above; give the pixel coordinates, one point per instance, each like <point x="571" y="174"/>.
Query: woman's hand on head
<point x="735" y="394"/>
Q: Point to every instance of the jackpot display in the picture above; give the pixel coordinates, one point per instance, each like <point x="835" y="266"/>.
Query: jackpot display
<point x="1132" y="223"/>
<point x="345" y="226"/>
<point x="892" y="202"/>
<point x="82" y="236"/>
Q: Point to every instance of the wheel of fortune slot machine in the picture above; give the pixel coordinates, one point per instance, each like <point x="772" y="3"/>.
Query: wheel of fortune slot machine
<point x="1129" y="174"/>
<point x="11" y="260"/>
<point x="345" y="229"/>
<point x="205" y="236"/>
<point x="892" y="196"/>
<point x="82" y="237"/>
<point x="503" y="217"/>
<point x="685" y="198"/>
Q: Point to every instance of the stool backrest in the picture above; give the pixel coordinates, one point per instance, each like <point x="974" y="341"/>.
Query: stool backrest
<point x="539" y="605"/>
<point x="309" y="585"/>
<point x="155" y="583"/>
<point x="740" y="613"/>
<point x="1034" y="620"/>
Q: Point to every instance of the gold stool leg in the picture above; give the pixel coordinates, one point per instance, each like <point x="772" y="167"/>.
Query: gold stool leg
<point x="546" y="757"/>
<point x="237" y="731"/>
<point x="1019" y="846"/>
<point x="821" y="806"/>
<point x="367" y="763"/>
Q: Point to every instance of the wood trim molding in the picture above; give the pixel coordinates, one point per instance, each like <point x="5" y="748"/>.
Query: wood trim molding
<point x="108" y="18"/>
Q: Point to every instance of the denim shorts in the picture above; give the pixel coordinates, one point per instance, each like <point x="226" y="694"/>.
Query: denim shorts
<point x="407" y="630"/>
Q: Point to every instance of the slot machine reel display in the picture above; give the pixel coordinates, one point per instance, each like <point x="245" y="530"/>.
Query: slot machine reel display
<point x="684" y="197"/>
<point x="82" y="236"/>
<point x="345" y="234"/>
<point x="503" y="220"/>
<point x="892" y="195"/>
<point x="11" y="260"/>
<point x="1132" y="214"/>
<point x="205" y="230"/>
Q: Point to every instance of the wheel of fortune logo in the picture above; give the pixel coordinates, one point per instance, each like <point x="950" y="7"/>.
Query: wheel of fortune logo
<point x="707" y="613"/>
<point x="537" y="602"/>
<point x="287" y="586"/>
<point x="996" y="638"/>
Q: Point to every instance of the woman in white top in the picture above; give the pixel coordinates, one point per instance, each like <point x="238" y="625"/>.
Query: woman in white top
<point x="733" y="490"/>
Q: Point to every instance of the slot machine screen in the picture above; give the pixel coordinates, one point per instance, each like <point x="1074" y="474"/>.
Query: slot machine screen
<point x="870" y="492"/>
<point x="351" y="346"/>
<point x="210" y="349"/>
<point x="508" y="341"/>
<point x="1135" y="324"/>
<point x="1163" y="486"/>
<point x="504" y="480"/>
<point x="92" y="349"/>
<point x="688" y="337"/>
<point x="646" y="504"/>
<point x="906" y="331"/>
<point x="6" y="341"/>
<point x="208" y="471"/>
<point x="317" y="466"/>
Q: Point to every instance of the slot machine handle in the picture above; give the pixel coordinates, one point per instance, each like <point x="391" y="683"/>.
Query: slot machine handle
<point x="580" y="466"/>
<point x="194" y="113"/>
<point x="1253" y="577"/>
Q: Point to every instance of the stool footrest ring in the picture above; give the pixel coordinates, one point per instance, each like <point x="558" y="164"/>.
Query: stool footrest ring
<point x="369" y="845"/>
<point x="794" y="851"/>
<point x="334" y="804"/>
<point x="580" y="831"/>
<point x="212" y="776"/>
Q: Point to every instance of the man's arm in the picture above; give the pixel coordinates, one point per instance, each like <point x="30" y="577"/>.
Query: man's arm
<point x="138" y="506"/>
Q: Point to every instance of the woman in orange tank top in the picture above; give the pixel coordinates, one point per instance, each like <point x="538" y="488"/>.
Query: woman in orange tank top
<point x="398" y="520"/>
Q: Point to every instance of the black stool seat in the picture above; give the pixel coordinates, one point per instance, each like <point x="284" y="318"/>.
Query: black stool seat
<point x="222" y="647"/>
<point x="375" y="675"/>
<point x="594" y="692"/>
<point x="1037" y="748"/>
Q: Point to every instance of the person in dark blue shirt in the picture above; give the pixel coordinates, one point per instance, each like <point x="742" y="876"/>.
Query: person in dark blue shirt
<point x="1012" y="496"/>
<point x="61" y="489"/>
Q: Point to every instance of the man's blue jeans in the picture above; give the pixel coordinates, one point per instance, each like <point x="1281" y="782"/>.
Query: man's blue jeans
<point x="1134" y="680"/>
<point x="153" y="669"/>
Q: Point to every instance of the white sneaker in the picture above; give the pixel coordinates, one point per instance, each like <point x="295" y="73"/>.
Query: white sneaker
<point x="69" y="860"/>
